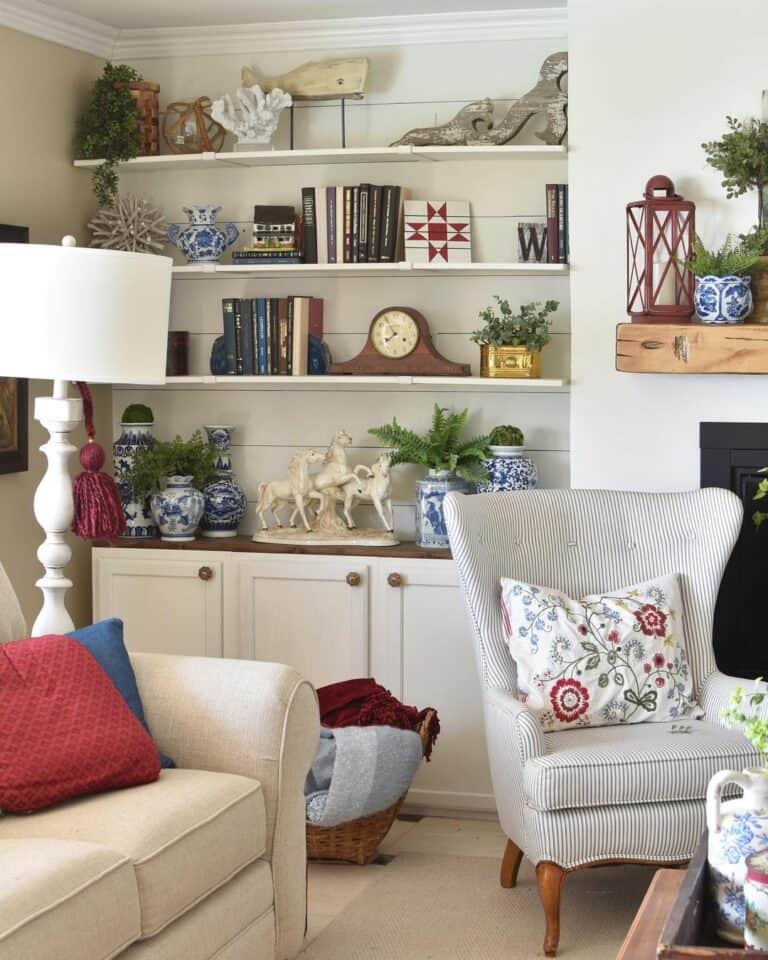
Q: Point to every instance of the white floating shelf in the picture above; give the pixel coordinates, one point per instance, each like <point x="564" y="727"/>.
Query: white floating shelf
<point x="228" y="271"/>
<point x="289" y="158"/>
<point x="358" y="383"/>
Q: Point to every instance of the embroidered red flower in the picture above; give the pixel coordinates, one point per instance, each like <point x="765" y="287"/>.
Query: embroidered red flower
<point x="653" y="622"/>
<point x="570" y="699"/>
<point x="658" y="659"/>
<point x="613" y="636"/>
<point x="659" y="681"/>
<point x="647" y="667"/>
<point x="583" y="630"/>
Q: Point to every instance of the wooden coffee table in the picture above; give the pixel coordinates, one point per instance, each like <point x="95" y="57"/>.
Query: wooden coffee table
<point x="642" y="940"/>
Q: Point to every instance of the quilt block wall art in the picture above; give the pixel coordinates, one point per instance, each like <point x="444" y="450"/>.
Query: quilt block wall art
<point x="437" y="231"/>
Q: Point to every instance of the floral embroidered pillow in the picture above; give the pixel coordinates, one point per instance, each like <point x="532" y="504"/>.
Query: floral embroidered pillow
<point x="611" y="658"/>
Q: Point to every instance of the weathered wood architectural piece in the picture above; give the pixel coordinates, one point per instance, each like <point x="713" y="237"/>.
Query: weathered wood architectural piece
<point x="470" y="122"/>
<point x="317" y="80"/>
<point x="691" y="348"/>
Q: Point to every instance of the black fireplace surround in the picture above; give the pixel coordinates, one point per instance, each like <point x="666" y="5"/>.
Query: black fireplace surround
<point x="732" y="455"/>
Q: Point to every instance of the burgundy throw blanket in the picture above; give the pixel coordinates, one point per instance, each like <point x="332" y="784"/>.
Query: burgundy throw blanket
<point x="365" y="703"/>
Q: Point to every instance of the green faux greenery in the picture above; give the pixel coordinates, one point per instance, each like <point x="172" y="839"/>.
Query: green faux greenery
<point x="741" y="155"/>
<point x="441" y="448"/>
<point x="506" y="436"/>
<point x="109" y="128"/>
<point x="759" y="517"/>
<point x="748" y="717"/>
<point x="172" y="458"/>
<point x="731" y="259"/>
<point x="138" y="413"/>
<point x="529" y="328"/>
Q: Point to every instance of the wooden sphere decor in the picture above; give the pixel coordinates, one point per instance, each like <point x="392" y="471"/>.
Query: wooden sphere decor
<point x="208" y="136"/>
<point x="400" y="344"/>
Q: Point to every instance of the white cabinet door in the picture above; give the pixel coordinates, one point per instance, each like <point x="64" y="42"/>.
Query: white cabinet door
<point x="308" y="612"/>
<point x="169" y="602"/>
<point x="425" y="657"/>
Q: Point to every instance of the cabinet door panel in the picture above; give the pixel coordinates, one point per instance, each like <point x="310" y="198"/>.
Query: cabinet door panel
<point x="303" y="611"/>
<point x="164" y="603"/>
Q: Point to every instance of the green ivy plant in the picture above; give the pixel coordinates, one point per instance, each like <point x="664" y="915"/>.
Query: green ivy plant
<point x="109" y="128"/>
<point x="731" y="259"/>
<point x="506" y="436"/>
<point x="746" y="715"/>
<point x="529" y="328"/>
<point x="172" y="458"/>
<point x="441" y="448"/>
<point x="741" y="155"/>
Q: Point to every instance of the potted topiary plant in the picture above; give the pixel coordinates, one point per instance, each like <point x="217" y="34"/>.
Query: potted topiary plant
<point x="511" y="344"/>
<point x="135" y="433"/>
<point x="741" y="155"/>
<point x="508" y="467"/>
<point x="452" y="464"/>
<point x="173" y="475"/>
<point x="722" y="293"/>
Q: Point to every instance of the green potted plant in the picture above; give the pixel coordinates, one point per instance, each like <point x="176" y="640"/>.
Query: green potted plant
<point x="509" y="469"/>
<point x="452" y="463"/>
<point x="173" y="475"/>
<point x="722" y="293"/>
<point x="741" y="155"/>
<point x="135" y="434"/>
<point x="511" y="344"/>
<point x="109" y="128"/>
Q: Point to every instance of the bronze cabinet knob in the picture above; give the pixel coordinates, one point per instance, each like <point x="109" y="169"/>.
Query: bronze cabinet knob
<point x="395" y="580"/>
<point x="353" y="579"/>
<point x="205" y="573"/>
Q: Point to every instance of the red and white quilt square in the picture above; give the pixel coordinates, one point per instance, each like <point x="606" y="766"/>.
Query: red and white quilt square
<point x="437" y="231"/>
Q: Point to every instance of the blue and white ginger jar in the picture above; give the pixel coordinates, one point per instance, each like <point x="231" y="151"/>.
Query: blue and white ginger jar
<point x="723" y="299"/>
<point x="430" y="519"/>
<point x="177" y="509"/>
<point x="138" y="517"/>
<point x="225" y="501"/>
<point x="737" y="828"/>
<point x="508" y="469"/>
<point x="203" y="240"/>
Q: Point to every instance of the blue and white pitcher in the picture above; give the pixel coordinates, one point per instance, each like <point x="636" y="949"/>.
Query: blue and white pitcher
<point x="203" y="240"/>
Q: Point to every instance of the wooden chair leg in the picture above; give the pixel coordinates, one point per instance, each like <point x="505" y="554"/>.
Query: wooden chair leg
<point x="550" y="879"/>
<point x="510" y="865"/>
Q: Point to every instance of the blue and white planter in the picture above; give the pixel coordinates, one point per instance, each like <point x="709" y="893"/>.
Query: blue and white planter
<point x="723" y="299"/>
<point x="138" y="518"/>
<point x="177" y="509"/>
<point x="430" y="494"/>
<point x="203" y="241"/>
<point x="225" y="500"/>
<point x="509" y="469"/>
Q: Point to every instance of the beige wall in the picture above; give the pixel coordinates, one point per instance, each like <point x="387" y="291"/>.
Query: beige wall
<point x="44" y="89"/>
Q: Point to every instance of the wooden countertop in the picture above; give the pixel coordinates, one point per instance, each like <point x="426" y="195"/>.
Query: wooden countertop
<point x="406" y="549"/>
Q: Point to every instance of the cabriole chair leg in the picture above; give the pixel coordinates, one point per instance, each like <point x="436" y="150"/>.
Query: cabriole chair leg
<point x="510" y="865"/>
<point x="550" y="879"/>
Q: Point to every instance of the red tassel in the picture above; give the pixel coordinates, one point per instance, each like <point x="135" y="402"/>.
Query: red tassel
<point x="98" y="508"/>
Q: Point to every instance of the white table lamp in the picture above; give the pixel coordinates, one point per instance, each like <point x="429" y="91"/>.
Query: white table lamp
<point x="69" y="313"/>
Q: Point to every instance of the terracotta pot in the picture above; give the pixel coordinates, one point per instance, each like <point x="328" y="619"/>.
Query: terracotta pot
<point x="760" y="291"/>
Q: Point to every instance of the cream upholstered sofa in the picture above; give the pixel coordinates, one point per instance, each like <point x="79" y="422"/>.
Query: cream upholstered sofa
<point x="207" y="862"/>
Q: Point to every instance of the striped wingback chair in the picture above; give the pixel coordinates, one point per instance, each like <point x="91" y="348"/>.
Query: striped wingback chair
<point x="615" y="794"/>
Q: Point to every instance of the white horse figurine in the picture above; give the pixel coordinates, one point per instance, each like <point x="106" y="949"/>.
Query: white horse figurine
<point x="336" y="472"/>
<point x="274" y="494"/>
<point x="376" y="488"/>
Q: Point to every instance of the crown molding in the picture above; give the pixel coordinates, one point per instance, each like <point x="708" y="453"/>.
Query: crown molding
<point x="58" y="26"/>
<point x="342" y="34"/>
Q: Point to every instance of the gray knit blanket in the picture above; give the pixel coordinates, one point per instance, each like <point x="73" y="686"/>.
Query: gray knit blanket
<point x="358" y="771"/>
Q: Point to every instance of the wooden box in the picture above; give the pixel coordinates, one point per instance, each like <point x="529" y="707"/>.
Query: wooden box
<point x="689" y="931"/>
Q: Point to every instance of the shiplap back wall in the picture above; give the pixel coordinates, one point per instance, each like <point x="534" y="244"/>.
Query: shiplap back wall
<point x="408" y="86"/>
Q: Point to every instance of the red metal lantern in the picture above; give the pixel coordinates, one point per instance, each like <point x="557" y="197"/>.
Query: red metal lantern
<point x="660" y="235"/>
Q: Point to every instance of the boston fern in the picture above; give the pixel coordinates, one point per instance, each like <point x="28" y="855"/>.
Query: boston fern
<point x="441" y="448"/>
<point x="529" y="328"/>
<point x="174" y="458"/>
<point x="731" y="259"/>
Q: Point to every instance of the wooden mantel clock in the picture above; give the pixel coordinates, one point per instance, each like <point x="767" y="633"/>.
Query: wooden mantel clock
<point x="400" y="343"/>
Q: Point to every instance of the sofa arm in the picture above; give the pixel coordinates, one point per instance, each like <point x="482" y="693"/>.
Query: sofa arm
<point x="716" y="692"/>
<point x="523" y="727"/>
<point x="257" y="719"/>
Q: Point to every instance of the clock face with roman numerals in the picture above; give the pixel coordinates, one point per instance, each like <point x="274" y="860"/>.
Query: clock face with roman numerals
<point x="394" y="334"/>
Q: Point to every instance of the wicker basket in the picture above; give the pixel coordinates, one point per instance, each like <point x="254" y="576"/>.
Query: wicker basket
<point x="357" y="840"/>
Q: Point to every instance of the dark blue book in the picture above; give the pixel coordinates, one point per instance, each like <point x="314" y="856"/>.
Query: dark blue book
<point x="246" y="338"/>
<point x="261" y="336"/>
<point x="230" y="345"/>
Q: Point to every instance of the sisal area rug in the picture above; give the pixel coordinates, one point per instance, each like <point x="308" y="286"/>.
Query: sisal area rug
<point x="425" y="907"/>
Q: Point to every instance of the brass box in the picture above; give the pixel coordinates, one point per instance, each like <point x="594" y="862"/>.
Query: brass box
<point x="515" y="362"/>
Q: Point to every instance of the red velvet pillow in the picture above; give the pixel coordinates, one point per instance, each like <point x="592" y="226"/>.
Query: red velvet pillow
<point x="65" y="731"/>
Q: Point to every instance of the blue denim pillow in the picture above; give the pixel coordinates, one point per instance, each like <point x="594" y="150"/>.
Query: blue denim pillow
<point x="104" y="641"/>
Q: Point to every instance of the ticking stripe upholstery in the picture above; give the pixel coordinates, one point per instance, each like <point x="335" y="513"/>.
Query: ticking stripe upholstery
<point x="582" y="542"/>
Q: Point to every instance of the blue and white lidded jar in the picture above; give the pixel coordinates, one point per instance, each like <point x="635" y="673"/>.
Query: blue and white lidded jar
<point x="177" y="509"/>
<point x="225" y="500"/>
<point x="430" y="519"/>
<point x="756" y="902"/>
<point x="509" y="469"/>
<point x="138" y="517"/>
<point x="723" y="300"/>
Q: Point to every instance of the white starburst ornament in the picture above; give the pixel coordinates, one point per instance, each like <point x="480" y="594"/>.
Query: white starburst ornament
<point x="130" y="224"/>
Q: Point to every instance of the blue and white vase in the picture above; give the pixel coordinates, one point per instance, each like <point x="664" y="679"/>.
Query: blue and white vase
<point x="509" y="469"/>
<point x="177" y="509"/>
<point x="723" y="299"/>
<point x="225" y="500"/>
<point x="430" y="494"/>
<point x="138" y="518"/>
<point x="202" y="241"/>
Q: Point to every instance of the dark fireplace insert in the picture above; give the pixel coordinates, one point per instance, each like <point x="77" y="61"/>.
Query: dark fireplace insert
<point x="732" y="455"/>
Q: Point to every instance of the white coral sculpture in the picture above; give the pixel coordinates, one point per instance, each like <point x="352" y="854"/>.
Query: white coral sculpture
<point x="130" y="224"/>
<point x="255" y="117"/>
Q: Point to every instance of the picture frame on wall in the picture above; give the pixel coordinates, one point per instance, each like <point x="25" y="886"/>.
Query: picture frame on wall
<point x="14" y="394"/>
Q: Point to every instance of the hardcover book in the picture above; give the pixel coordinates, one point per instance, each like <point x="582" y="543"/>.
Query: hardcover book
<point x="552" y="222"/>
<point x="309" y="226"/>
<point x="230" y="349"/>
<point x="246" y="339"/>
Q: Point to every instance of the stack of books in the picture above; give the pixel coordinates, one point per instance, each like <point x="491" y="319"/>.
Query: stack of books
<point x="557" y="222"/>
<point x="360" y="224"/>
<point x="275" y="238"/>
<point x="267" y="336"/>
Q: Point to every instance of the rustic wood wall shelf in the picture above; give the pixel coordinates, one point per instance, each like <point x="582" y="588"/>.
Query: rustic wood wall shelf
<point x="691" y="348"/>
